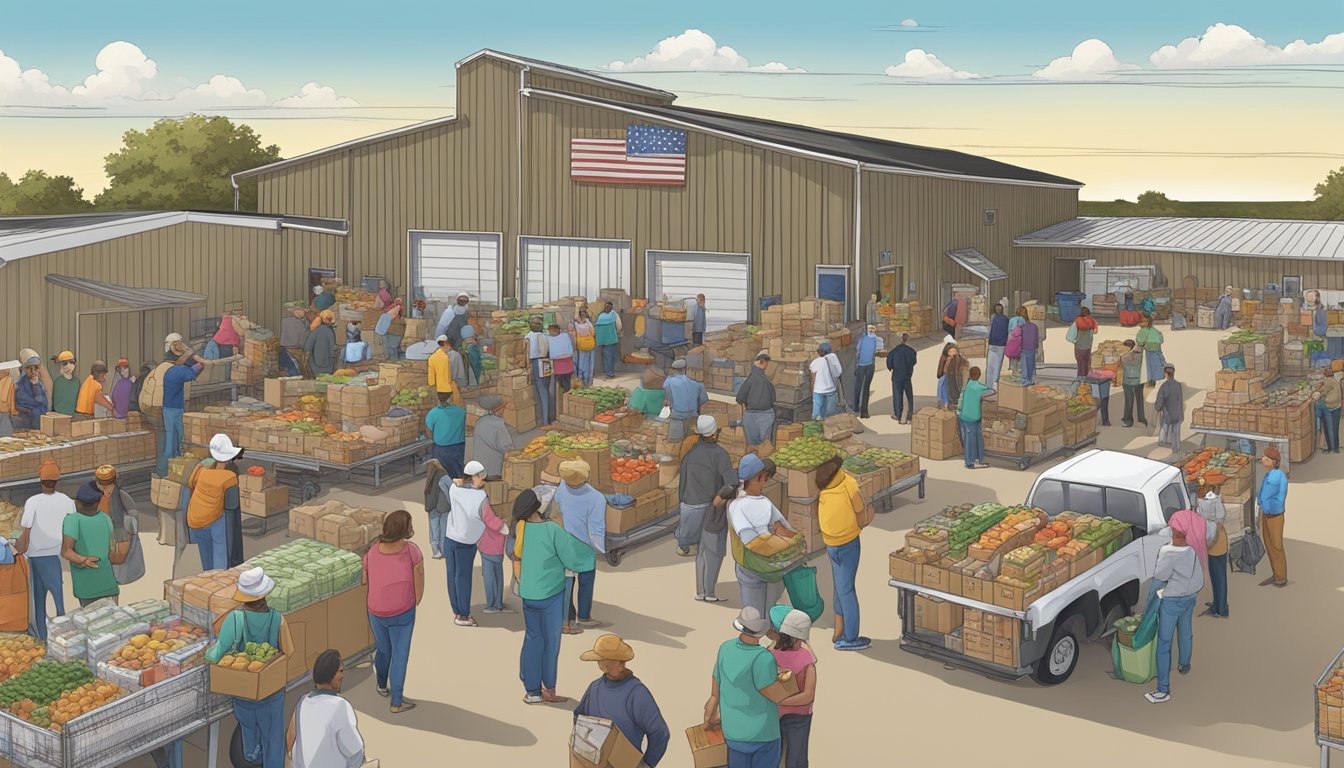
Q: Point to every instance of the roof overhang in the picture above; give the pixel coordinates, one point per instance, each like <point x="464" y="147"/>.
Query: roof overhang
<point x="978" y="264"/>
<point x="375" y="138"/>
<point x="547" y="66"/>
<point x="127" y="296"/>
<point x="1246" y="238"/>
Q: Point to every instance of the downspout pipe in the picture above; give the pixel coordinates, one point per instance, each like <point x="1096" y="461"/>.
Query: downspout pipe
<point x="859" y="301"/>
<point x="518" y="184"/>
<point x="233" y="179"/>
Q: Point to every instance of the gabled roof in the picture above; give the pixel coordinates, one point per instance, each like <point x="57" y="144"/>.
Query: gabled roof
<point x="1266" y="238"/>
<point x="568" y="71"/>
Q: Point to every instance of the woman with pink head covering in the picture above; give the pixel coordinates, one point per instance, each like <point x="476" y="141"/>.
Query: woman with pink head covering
<point x="389" y="330"/>
<point x="1177" y="580"/>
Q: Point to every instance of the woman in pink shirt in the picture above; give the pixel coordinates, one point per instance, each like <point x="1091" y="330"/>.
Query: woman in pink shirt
<point x="789" y="628"/>
<point x="490" y="545"/>
<point x="227" y="337"/>
<point x="394" y="569"/>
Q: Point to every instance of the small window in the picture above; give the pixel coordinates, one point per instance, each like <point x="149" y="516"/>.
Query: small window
<point x="1086" y="499"/>
<point x="1172" y="500"/>
<point x="1127" y="506"/>
<point x="991" y="217"/>
<point x="1049" y="496"/>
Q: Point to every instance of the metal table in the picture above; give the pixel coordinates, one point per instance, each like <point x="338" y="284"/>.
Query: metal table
<point x="311" y="470"/>
<point x="617" y="543"/>
<point x="124" y="473"/>
<point x="1327" y="743"/>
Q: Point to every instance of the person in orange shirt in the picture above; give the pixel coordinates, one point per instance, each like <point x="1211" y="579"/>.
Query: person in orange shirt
<point x="214" y="514"/>
<point x="92" y="401"/>
<point x="840" y="508"/>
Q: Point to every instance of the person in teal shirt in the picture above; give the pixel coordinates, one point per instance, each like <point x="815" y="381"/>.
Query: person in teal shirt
<point x="648" y="397"/>
<point x="544" y="551"/>
<point x="88" y="543"/>
<point x="322" y="299"/>
<point x="64" y="385"/>
<point x="608" y="327"/>
<point x="447" y="427"/>
<point x="742" y="701"/>
<point x="968" y="414"/>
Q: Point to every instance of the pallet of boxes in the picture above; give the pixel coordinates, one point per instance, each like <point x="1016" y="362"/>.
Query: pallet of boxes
<point x="1233" y="473"/>
<point x="338" y="525"/>
<point x="910" y="317"/>
<point x="260" y="358"/>
<point x="75" y="445"/>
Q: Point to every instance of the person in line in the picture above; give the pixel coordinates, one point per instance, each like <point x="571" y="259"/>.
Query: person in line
<point x="323" y="299"/>
<point x="756" y="397"/>
<point x="561" y="349"/>
<point x="870" y="344"/>
<point x="394" y="569"/>
<point x="1149" y="339"/>
<point x="707" y="482"/>
<point x="88" y="541"/>
<point x="65" y="387"/>
<point x="323" y="730"/>
<point x="1329" y="399"/>
<point x="539" y="364"/>
<point x="262" y="722"/>
<point x="446" y="425"/>
<point x="789" y="630"/>
<point x="1211" y="508"/>
<point x="390" y="329"/>
<point x="699" y="322"/>
<point x="1131" y="372"/>
<point x="1031" y="347"/>
<point x="175" y="379"/>
<point x="584" y="336"/>
<point x="757" y="524"/>
<point x="441" y="375"/>
<point x="1177" y="580"/>
<point x="436" y="506"/>
<point x="384" y="294"/>
<point x="825" y="371"/>
<point x="742" y="700"/>
<point x="491" y="439"/>
<point x="119" y="506"/>
<point x="968" y="416"/>
<point x="8" y="412"/>
<point x="685" y="396"/>
<point x="609" y="329"/>
<point x="471" y="352"/>
<point x="583" y="510"/>
<point x="623" y="699"/>
<point x="901" y="362"/>
<point x="122" y="386"/>
<point x="1170" y="408"/>
<point x="998" y="344"/>
<point x="214" y="511"/>
<point x="1223" y="314"/>
<point x="93" y="401"/>
<point x="457" y="363"/>
<point x="648" y="397"/>
<point x="1081" y="333"/>
<point x="31" y="400"/>
<point x="469" y="517"/>
<point x="43" y="526"/>
<point x="840" y="515"/>
<point x="320" y="346"/>
<point x="544" y="551"/>
<point x="454" y="317"/>
<point x="1271" y="497"/>
<point x="952" y="368"/>
<point x="227" y="337"/>
<point x="950" y="318"/>
<point x="293" y="333"/>
<point x="1013" y="350"/>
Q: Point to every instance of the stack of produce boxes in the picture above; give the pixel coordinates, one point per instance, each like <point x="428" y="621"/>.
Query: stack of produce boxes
<point x="75" y="445"/>
<point x="336" y="525"/>
<point x="259" y="495"/>
<point x="261" y="358"/>
<point x="934" y="434"/>
<point x="797" y="461"/>
<point x="1234" y="475"/>
<point x="1039" y="412"/>
<point x="1330" y="704"/>
<point x="1285" y="411"/>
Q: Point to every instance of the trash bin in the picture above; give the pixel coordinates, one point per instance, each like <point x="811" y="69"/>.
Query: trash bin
<point x="1068" y="302"/>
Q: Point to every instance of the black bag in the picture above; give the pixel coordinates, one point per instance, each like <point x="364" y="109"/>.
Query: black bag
<point x="1245" y="553"/>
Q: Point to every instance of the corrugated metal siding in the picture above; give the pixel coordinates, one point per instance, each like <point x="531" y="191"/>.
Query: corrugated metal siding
<point x="920" y="218"/>
<point x="261" y="268"/>
<point x="319" y="187"/>
<point x="1211" y="271"/>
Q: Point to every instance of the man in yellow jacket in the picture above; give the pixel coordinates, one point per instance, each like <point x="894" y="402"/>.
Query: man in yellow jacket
<point x="441" y="372"/>
<point x="840" y="514"/>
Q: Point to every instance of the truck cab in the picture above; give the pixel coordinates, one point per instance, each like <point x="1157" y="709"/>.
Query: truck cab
<point x="1052" y="628"/>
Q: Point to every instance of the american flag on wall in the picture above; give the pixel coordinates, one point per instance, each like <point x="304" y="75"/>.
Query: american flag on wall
<point x="647" y="155"/>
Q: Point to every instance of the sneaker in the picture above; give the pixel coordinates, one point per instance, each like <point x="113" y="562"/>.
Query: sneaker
<point x="683" y="551"/>
<point x="715" y="599"/>
<point x="533" y="698"/>
<point x="506" y="609"/>
<point x="1267" y="582"/>
<point x="570" y="629"/>
<point x="384" y="692"/>
<point x="438" y="556"/>
<point x="862" y="644"/>
<point x="490" y="611"/>
<point x="588" y="622"/>
<point x="1281" y="584"/>
<point x="464" y="621"/>
<point x="1185" y="670"/>
<point x="1157" y="697"/>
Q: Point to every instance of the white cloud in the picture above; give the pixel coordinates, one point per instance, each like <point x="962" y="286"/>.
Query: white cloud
<point x="314" y="96"/>
<point x="1091" y="60"/>
<point x="694" y="50"/>
<point x="1228" y="45"/>
<point x="909" y="23"/>
<point x="19" y="85"/>
<point x="124" y="71"/>
<point x="222" y="90"/>
<point x="923" y="65"/>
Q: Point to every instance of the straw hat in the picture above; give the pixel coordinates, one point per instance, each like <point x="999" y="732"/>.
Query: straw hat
<point x="609" y="648"/>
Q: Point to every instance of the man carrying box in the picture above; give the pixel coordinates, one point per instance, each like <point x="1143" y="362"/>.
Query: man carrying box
<point x="622" y="698"/>
<point x="744" y="700"/>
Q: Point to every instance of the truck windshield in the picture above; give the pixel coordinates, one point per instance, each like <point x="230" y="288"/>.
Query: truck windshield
<point x="1055" y="496"/>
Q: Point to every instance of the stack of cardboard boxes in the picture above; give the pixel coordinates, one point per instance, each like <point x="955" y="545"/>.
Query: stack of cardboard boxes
<point x="261" y="358"/>
<point x="259" y="494"/>
<point x="350" y="528"/>
<point x="520" y="400"/>
<point x="935" y="434"/>
<point x="76" y="445"/>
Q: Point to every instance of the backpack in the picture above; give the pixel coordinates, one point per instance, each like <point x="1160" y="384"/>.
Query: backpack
<point x="151" y="391"/>
<point x="1013" y="349"/>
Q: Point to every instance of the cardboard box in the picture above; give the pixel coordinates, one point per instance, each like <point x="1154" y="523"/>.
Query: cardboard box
<point x="774" y="491"/>
<point x="255" y="483"/>
<point x="1005" y="652"/>
<point x="1014" y="598"/>
<point x="253" y="686"/>
<point x="271" y="501"/>
<point x="303" y="520"/>
<point x="56" y="425"/>
<point x="798" y="483"/>
<point x="164" y="493"/>
<point x="83" y="427"/>
<point x="977" y="645"/>
<point x="937" y="615"/>
<point x="622" y="519"/>
<point x="348" y="628"/>
<point x="905" y="570"/>
<point x="941" y="579"/>
<point x="708" y="749"/>
<point x="596" y="742"/>
<point x="785" y="684"/>
<point x="1020" y="399"/>
<point x="308" y="628"/>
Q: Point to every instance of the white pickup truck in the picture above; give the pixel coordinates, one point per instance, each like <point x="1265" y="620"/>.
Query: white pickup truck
<point x="1139" y="491"/>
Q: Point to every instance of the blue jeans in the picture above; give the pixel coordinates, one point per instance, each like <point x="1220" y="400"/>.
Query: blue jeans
<point x="452" y="458"/>
<point x="823" y="405"/>
<point x="844" y="572"/>
<point x="583" y="366"/>
<point x="1173" y="621"/>
<point x="392" y="346"/>
<point x="610" y="352"/>
<point x="172" y="438"/>
<point x="1329" y="427"/>
<point x="460" y="558"/>
<point x="754" y="754"/>
<point x="47" y="578"/>
<point x="263" y="725"/>
<point x="393" y="638"/>
<point x="543" y="620"/>
<point x="1028" y="364"/>
<point x="1155" y="363"/>
<point x="542" y="387"/>
<point x="1218" y="580"/>
<point x="795" y="731"/>
<point x="492" y="576"/>
<point x="213" y="542"/>
<point x="438" y="524"/>
<point x="584" y="608"/>
<point x="863" y="383"/>
<point x="288" y="364"/>
<point x="972" y="442"/>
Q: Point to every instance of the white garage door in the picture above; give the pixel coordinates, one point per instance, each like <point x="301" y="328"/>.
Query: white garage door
<point x="724" y="278"/>
<point x="444" y="264"/>
<point x="555" y="267"/>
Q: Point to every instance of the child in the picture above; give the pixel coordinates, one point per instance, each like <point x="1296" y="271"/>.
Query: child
<point x="491" y="547"/>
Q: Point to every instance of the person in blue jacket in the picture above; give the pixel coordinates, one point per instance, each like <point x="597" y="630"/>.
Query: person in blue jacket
<point x="30" y="394"/>
<point x="1273" y="493"/>
<point x="998" y="343"/>
<point x="584" y="512"/>
<point x="623" y="699"/>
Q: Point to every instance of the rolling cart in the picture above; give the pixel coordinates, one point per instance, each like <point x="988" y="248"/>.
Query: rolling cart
<point x="1023" y="462"/>
<point x="618" y="543"/>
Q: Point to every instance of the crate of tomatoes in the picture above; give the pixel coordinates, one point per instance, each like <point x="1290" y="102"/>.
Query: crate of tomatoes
<point x="634" y="476"/>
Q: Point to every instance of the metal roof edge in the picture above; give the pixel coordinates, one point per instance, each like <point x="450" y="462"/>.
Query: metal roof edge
<point x="563" y="70"/>
<point x="1162" y="249"/>
<point x="373" y="139"/>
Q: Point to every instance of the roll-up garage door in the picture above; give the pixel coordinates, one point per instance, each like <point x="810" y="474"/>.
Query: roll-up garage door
<point x="555" y="267"/>
<point x="724" y="278"/>
<point x="444" y="264"/>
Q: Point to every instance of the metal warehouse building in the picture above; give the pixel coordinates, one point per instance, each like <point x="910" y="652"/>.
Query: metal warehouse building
<point x="484" y="201"/>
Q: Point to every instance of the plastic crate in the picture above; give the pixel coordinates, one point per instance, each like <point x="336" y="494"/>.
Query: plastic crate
<point x="160" y="713"/>
<point x="126" y="678"/>
<point x="200" y="617"/>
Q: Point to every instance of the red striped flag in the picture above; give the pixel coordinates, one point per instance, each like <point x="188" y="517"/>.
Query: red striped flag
<point x="607" y="161"/>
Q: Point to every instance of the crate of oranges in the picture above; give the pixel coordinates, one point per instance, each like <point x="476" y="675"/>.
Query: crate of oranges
<point x="634" y="476"/>
<point x="137" y="664"/>
<point x="18" y="653"/>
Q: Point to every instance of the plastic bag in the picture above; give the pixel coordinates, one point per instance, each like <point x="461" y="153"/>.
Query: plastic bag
<point x="801" y="583"/>
<point x="1148" y="625"/>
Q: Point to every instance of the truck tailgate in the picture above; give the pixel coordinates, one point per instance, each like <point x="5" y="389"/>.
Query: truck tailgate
<point x="959" y="600"/>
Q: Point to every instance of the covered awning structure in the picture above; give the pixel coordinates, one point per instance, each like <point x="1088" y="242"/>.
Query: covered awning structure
<point x="979" y="265"/>
<point x="131" y="326"/>
<point x="127" y="296"/>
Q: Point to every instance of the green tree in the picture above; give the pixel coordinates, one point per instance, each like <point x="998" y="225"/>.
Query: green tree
<point x="1153" y="203"/>
<point x="1330" y="196"/>
<point x="40" y="194"/>
<point x="184" y="164"/>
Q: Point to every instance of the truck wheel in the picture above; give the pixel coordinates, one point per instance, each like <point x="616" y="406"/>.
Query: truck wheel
<point x="1113" y="609"/>
<point x="1061" y="653"/>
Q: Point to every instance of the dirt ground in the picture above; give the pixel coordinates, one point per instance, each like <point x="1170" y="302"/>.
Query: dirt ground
<point x="1248" y="700"/>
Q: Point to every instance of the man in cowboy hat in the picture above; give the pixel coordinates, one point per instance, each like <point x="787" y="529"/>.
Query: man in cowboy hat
<point x="89" y="543"/>
<point x="65" y="387"/>
<point x="43" y="524"/>
<point x="742" y="701"/>
<point x="214" y="518"/>
<point x="491" y="438"/>
<point x="622" y="698"/>
<point x="31" y="398"/>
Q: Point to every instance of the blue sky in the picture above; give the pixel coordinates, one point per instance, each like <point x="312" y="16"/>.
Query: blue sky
<point x="387" y="63"/>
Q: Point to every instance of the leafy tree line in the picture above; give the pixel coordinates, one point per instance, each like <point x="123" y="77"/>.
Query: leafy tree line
<point x="174" y="165"/>
<point x="1327" y="206"/>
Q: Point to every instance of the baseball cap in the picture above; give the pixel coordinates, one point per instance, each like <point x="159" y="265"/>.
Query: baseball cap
<point x="66" y="357"/>
<point x="749" y="467"/>
<point x="706" y="425"/>
<point x="49" y="472"/>
<point x="491" y="402"/>
<point x="473" y="468"/>
<point x="89" y="493"/>
<point x="1169" y="367"/>
<point x="791" y="622"/>
<point x="763" y="356"/>
<point x="441" y="339"/>
<point x="751" y="622"/>
<point x="679" y="365"/>
<point x="463" y="295"/>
